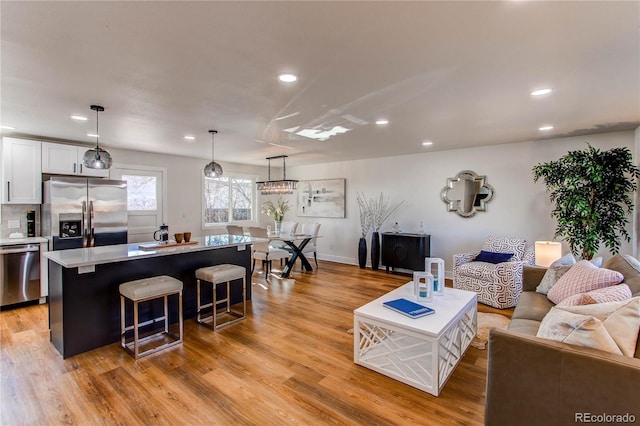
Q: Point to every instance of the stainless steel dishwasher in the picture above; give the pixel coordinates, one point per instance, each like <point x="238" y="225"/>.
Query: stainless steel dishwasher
<point x="20" y="273"/>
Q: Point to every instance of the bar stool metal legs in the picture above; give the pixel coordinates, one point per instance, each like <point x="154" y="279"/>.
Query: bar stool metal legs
<point x="145" y="290"/>
<point x="215" y="275"/>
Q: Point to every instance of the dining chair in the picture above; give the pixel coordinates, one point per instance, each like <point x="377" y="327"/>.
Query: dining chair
<point x="262" y="251"/>
<point x="310" y="229"/>
<point x="235" y="230"/>
<point x="287" y="228"/>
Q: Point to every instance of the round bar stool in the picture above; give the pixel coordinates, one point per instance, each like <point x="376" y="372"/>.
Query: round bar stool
<point x="144" y="290"/>
<point x="215" y="275"/>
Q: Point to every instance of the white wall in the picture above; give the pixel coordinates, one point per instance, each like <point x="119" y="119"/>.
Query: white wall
<point x="184" y="185"/>
<point x="184" y="190"/>
<point x="520" y="207"/>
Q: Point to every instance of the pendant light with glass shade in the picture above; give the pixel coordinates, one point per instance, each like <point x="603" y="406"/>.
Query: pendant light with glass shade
<point x="213" y="169"/>
<point x="97" y="158"/>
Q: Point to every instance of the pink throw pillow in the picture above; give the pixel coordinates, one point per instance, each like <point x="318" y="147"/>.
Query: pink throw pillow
<point x="616" y="293"/>
<point x="584" y="276"/>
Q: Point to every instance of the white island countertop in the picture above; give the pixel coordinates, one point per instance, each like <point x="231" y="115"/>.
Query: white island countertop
<point x="82" y="257"/>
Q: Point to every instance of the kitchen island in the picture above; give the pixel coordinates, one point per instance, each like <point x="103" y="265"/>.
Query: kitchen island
<point x="84" y="297"/>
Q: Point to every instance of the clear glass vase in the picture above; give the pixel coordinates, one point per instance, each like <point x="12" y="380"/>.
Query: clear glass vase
<point x="278" y="227"/>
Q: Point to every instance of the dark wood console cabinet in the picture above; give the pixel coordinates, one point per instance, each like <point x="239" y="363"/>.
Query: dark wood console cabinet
<point x="405" y="251"/>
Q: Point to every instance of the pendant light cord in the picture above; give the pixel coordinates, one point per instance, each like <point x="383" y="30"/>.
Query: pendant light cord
<point x="213" y="143"/>
<point x="97" y="132"/>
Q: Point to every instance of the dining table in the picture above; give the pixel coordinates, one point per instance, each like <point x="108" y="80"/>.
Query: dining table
<point x="295" y="244"/>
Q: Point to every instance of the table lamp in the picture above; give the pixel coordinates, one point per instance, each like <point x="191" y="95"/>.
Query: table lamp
<point x="547" y="252"/>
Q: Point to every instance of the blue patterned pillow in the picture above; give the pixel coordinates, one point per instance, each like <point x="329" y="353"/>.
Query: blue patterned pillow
<point x="492" y="257"/>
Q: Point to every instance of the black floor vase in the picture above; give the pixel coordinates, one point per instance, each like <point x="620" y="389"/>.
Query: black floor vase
<point x="375" y="250"/>
<point x="362" y="252"/>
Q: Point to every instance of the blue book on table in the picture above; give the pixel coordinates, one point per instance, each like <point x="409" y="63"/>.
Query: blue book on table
<point x="408" y="308"/>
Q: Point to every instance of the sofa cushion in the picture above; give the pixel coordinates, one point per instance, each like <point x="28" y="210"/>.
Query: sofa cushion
<point x="531" y="276"/>
<point x="492" y="257"/>
<point x="532" y="306"/>
<point x="554" y="272"/>
<point x="615" y="293"/>
<point x="628" y="266"/>
<point x="584" y="276"/>
<point x="524" y="326"/>
<point x="517" y="246"/>
<point x="611" y="327"/>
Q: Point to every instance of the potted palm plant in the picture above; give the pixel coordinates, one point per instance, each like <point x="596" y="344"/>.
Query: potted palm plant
<point x="591" y="190"/>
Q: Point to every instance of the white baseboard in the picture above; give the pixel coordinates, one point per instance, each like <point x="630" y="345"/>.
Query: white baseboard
<point x="354" y="261"/>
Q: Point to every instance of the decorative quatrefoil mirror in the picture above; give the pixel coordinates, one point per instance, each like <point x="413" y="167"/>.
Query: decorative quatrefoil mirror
<point x="467" y="193"/>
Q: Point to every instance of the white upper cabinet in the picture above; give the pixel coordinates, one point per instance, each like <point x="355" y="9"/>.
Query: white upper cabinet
<point x="21" y="171"/>
<point x="59" y="159"/>
<point x="63" y="159"/>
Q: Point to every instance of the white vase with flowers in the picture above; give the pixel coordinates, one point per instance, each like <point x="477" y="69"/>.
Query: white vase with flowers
<point x="276" y="211"/>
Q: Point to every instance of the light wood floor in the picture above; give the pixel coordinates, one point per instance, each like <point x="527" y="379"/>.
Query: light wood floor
<point x="289" y="362"/>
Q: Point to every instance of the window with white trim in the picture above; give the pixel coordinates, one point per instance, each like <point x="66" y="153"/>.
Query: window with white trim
<point x="141" y="192"/>
<point x="229" y="199"/>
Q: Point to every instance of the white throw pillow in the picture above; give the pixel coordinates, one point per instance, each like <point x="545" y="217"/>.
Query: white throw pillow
<point x="554" y="272"/>
<point x="610" y="327"/>
<point x="597" y="261"/>
<point x="584" y="276"/>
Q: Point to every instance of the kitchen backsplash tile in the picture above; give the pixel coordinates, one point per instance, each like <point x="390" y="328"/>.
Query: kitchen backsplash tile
<point x="18" y="212"/>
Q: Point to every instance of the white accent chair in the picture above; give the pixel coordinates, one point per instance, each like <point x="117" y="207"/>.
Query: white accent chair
<point x="310" y="229"/>
<point x="262" y="251"/>
<point x="498" y="285"/>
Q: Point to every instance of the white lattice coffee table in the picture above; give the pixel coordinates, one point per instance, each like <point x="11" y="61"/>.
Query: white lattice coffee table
<point x="420" y="352"/>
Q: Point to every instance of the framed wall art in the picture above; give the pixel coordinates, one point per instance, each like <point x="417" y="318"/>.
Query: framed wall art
<point x="321" y="198"/>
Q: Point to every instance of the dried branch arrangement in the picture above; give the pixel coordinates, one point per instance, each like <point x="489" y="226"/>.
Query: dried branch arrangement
<point x="374" y="212"/>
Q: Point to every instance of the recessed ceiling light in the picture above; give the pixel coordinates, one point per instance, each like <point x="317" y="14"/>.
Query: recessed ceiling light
<point x="93" y="135"/>
<point x="79" y="117"/>
<point x="7" y="127"/>
<point x="382" y="122"/>
<point x="190" y="138"/>
<point x="287" y="78"/>
<point x="540" y="92"/>
<point x="427" y="143"/>
<point x="545" y="128"/>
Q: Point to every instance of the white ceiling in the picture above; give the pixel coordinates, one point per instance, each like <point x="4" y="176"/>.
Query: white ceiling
<point x="455" y="73"/>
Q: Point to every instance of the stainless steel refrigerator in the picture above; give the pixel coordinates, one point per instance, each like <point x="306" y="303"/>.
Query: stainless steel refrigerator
<point x="80" y="212"/>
